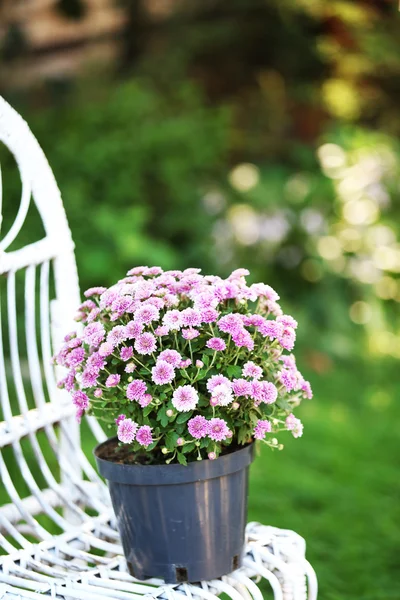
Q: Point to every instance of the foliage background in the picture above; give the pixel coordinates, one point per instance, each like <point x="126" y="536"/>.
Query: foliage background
<point x="261" y="134"/>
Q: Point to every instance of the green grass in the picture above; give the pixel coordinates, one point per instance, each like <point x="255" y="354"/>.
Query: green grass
<point x="339" y="486"/>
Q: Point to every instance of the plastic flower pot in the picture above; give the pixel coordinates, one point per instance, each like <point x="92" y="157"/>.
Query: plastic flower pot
<point x="180" y="523"/>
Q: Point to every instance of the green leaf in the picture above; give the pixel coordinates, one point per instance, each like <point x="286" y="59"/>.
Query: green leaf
<point x="234" y="371"/>
<point x="147" y="410"/>
<point x="183" y="417"/>
<point x="181" y="458"/>
<point x="188" y="447"/>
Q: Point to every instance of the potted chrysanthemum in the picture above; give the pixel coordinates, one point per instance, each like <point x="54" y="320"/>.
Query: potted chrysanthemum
<point x="187" y="370"/>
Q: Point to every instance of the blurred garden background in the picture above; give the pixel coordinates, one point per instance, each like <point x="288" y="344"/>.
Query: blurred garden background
<point x="259" y="134"/>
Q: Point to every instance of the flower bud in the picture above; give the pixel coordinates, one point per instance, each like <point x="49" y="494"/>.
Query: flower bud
<point x="170" y="412"/>
<point x="197" y="444"/>
<point x="164" y="450"/>
<point x="212" y="455"/>
<point x="180" y="442"/>
<point x="274" y="441"/>
<point x="235" y="405"/>
<point x="213" y="402"/>
<point x="199" y="364"/>
<point x="130" y="378"/>
<point x="229" y="435"/>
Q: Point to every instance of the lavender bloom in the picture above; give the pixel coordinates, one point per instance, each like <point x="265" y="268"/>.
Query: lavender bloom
<point x="230" y="323"/>
<point x="117" y="335"/>
<point x="93" y="334"/>
<point x="161" y="330"/>
<point x="113" y="380"/>
<point x="95" y="291"/>
<point x="190" y="334"/>
<point x="185" y="398"/>
<point x="127" y="430"/>
<point x="106" y="348"/>
<point x="252" y="370"/>
<point x="294" y="425"/>
<point x="216" y="343"/>
<point x="262" y="427"/>
<point x="172" y="320"/>
<point x="143" y="436"/>
<point x="217" y="380"/>
<point x="119" y="419"/>
<point x="241" y="337"/>
<point x="271" y="329"/>
<point x="171" y="356"/>
<point x="222" y="395"/>
<point x="146" y="314"/>
<point x="190" y="317"/>
<point x="145" y="400"/>
<point x="218" y="429"/>
<point x="133" y="329"/>
<point x="80" y="400"/>
<point x="126" y="352"/>
<point x="75" y="357"/>
<point x="145" y="343"/>
<point x="162" y="373"/>
<point x="130" y="367"/>
<point x="198" y="427"/>
<point x="241" y="387"/>
<point x="136" y="389"/>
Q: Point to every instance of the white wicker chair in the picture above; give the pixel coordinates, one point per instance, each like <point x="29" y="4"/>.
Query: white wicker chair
<point x="57" y="534"/>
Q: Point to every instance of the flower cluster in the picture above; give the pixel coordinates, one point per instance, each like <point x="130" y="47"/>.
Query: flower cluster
<point x="183" y="365"/>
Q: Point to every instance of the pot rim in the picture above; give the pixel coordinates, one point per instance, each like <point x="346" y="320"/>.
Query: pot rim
<point x="174" y="474"/>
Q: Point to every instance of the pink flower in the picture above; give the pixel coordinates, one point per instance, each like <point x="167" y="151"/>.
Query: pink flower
<point x="230" y="323"/>
<point x="92" y="316"/>
<point x="136" y="389"/>
<point x="185" y="398"/>
<point x="113" y="380"/>
<point x="216" y="343"/>
<point x="253" y="320"/>
<point x="287" y="321"/>
<point x="143" y="436"/>
<point x="222" y="395"/>
<point x="130" y="367"/>
<point x="80" y="400"/>
<point x="117" y="335"/>
<point x="185" y="363"/>
<point x="89" y="378"/>
<point x="94" y="291"/>
<point x="199" y="364"/>
<point x="264" y="291"/>
<point x="271" y="329"/>
<point x="190" y="317"/>
<point x="106" y="349"/>
<point x="133" y="329"/>
<point x="262" y="427"/>
<point x="288" y="338"/>
<point x="294" y="425"/>
<point x="170" y="356"/>
<point x="98" y="393"/>
<point x="198" y="427"/>
<point x="126" y="352"/>
<point x="252" y="370"/>
<point x="161" y="330"/>
<point x="146" y="314"/>
<point x="119" y="419"/>
<point x="127" y="430"/>
<point x="172" y="320"/>
<point x="94" y="334"/>
<point x="162" y="373"/>
<point x="145" y="400"/>
<point x="218" y="429"/>
<point x="209" y="315"/>
<point x="146" y="343"/>
<point x="241" y="338"/>
<point x="288" y="378"/>
<point x="306" y="388"/>
<point x="269" y="392"/>
<point x="190" y="334"/>
<point x="241" y="387"/>
<point x="212" y="456"/>
<point x="75" y="357"/>
<point x="215" y="380"/>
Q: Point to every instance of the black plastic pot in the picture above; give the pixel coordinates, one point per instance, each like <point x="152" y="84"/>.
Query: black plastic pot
<point x="181" y="523"/>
